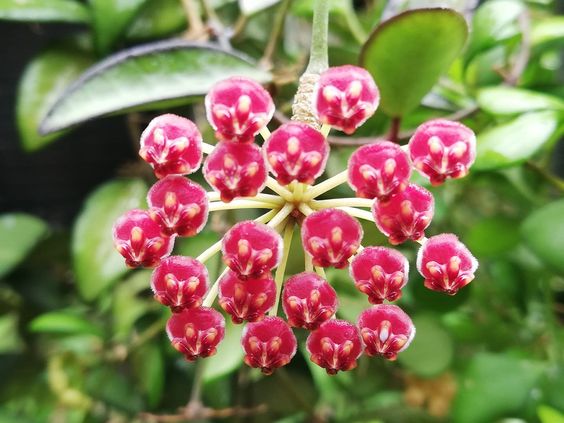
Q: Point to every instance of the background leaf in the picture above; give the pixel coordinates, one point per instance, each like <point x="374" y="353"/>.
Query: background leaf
<point x="147" y="74"/>
<point x="407" y="54"/>
<point x="43" y="81"/>
<point x="157" y="19"/>
<point x="229" y="355"/>
<point x="543" y="232"/>
<point x="43" y="11"/>
<point x="111" y="19"/>
<point x="249" y="7"/>
<point x="96" y="263"/>
<point x="19" y="234"/>
<point x="516" y="141"/>
<point x="64" y="322"/>
<point x="501" y="100"/>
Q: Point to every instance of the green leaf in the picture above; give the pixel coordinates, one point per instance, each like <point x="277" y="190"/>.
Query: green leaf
<point x="494" y="22"/>
<point x="407" y="54"/>
<point x="44" y="80"/>
<point x="432" y="349"/>
<point x="111" y="19"/>
<point x="10" y="341"/>
<point x="96" y="263"/>
<point x="64" y="322"/>
<point x="19" y="234"/>
<point x="158" y="19"/>
<point x="149" y="367"/>
<point x="493" y="236"/>
<point x="249" y="7"/>
<point x="547" y="30"/>
<point x="514" y="142"/>
<point x="502" y="100"/>
<point x="504" y="380"/>
<point x="543" y="232"/>
<point x="229" y="355"/>
<point x="549" y="415"/>
<point x="142" y="76"/>
<point x="43" y="11"/>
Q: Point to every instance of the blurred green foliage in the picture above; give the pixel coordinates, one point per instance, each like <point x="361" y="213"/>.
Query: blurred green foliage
<point x="81" y="339"/>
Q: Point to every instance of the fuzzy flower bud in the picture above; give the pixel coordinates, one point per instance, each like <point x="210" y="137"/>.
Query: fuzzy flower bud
<point x="139" y="239"/>
<point x="172" y="145"/>
<point x="238" y="108"/>
<point x="308" y="300"/>
<point x="380" y="273"/>
<point x="251" y="249"/>
<point x="331" y="236"/>
<point x="235" y="170"/>
<point x="268" y="344"/>
<point x="296" y="152"/>
<point x="386" y="330"/>
<point x="446" y="264"/>
<point x="345" y="97"/>
<point x="441" y="149"/>
<point x="335" y="345"/>
<point x="180" y="282"/>
<point x="179" y="205"/>
<point x="379" y="170"/>
<point x="406" y="215"/>
<point x="196" y="332"/>
<point x="246" y="299"/>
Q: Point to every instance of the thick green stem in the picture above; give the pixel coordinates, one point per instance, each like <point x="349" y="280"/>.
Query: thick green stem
<point x="319" y="58"/>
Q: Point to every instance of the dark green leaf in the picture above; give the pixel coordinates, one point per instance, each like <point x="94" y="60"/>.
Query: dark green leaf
<point x="150" y="371"/>
<point x="158" y="19"/>
<point x="62" y="322"/>
<point x="505" y="381"/>
<point x="10" y="341"/>
<point x="135" y="78"/>
<point x="407" y="54"/>
<point x="43" y="11"/>
<point x="111" y="19"/>
<point x="493" y="236"/>
<point x="43" y="81"/>
<point x="432" y="349"/>
<point x="19" y="234"/>
<point x="543" y="232"/>
<point x="494" y="22"/>
<point x="516" y="141"/>
<point x="502" y="100"/>
<point x="229" y="355"/>
<point x="96" y="263"/>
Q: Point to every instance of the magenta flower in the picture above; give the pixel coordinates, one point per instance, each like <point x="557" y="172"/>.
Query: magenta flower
<point x="255" y="252"/>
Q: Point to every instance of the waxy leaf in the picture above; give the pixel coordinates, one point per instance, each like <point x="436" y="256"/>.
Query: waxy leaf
<point x="158" y="19"/>
<point x="516" y="141"/>
<point x="543" y="232"/>
<point x="43" y="11"/>
<point x="96" y="263"/>
<point x="65" y="323"/>
<point x="140" y="77"/>
<point x="503" y="100"/>
<point x="44" y="80"/>
<point x="19" y="233"/>
<point x="111" y="19"/>
<point x="407" y="54"/>
<point x="547" y="31"/>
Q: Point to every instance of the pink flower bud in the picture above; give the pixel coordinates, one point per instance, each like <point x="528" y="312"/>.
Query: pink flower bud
<point x="308" y="300"/>
<point x="172" y="145"/>
<point x="248" y="299"/>
<point x="268" y="344"/>
<point x="380" y="273"/>
<point x="345" y="97"/>
<point x="139" y="239"/>
<point x="405" y="215"/>
<point x="251" y="249"/>
<point x="335" y="345"/>
<point x="379" y="170"/>
<point x="386" y="330"/>
<point x="238" y="108"/>
<point x="179" y="205"/>
<point x="235" y="170"/>
<point x="180" y="282"/>
<point x="441" y="149"/>
<point x="446" y="264"/>
<point x="331" y="236"/>
<point x="196" y="332"/>
<point x="296" y="152"/>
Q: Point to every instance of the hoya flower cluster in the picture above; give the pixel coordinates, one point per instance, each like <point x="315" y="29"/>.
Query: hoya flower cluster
<point x="255" y="252"/>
